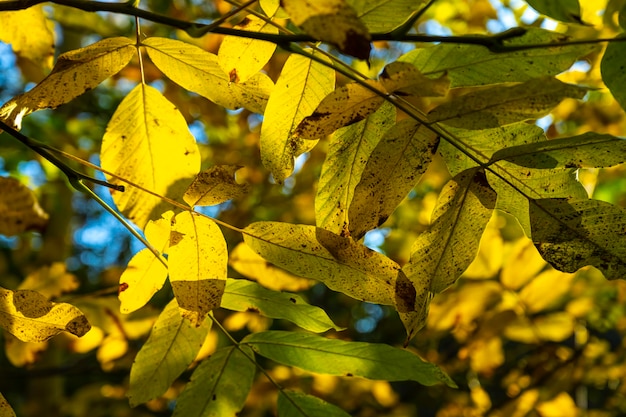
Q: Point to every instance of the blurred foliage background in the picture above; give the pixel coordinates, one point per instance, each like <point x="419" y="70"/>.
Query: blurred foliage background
<point x="519" y="338"/>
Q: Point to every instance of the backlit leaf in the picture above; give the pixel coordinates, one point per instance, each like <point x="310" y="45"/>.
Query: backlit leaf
<point x="337" y="357"/>
<point x="30" y="317"/>
<point x="441" y="254"/>
<point x="470" y="65"/>
<point x="298" y="404"/>
<point x="219" y="385"/>
<point x="50" y="281"/>
<point x="346" y="105"/>
<point x="384" y="15"/>
<point x="242" y="295"/>
<point x="248" y="263"/>
<point x="553" y="327"/>
<point x="339" y="262"/>
<point x="403" y="78"/>
<point x="303" y="83"/>
<point x="197" y="264"/>
<point x="332" y="21"/>
<point x="563" y="10"/>
<point x="545" y="290"/>
<point x="148" y="143"/>
<point x="214" y="186"/>
<point x="170" y="349"/>
<point x="5" y="408"/>
<point x="570" y="234"/>
<point x="19" y="209"/>
<point x="589" y="150"/>
<point x="394" y="167"/>
<point x="199" y="71"/>
<point x="29" y="35"/>
<point x="241" y="57"/>
<point x="348" y="152"/>
<point x="612" y="65"/>
<point x="498" y="106"/>
<point x="74" y="73"/>
<point x="142" y="278"/>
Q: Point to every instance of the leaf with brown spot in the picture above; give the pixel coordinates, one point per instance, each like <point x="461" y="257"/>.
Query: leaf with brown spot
<point x="19" y="209"/>
<point x="214" y="186"/>
<point x="402" y="78"/>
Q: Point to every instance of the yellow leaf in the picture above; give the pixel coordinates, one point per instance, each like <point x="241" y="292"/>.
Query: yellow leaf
<point x="392" y="170"/>
<point x="241" y="57"/>
<point x="486" y="355"/>
<point x="489" y="259"/>
<point x="346" y="105"/>
<point x="441" y="254"/>
<point x="29" y="35"/>
<point x="142" y="278"/>
<point x="332" y="21"/>
<point x="74" y="73"/>
<point x="554" y="327"/>
<point x="545" y="290"/>
<point x="523" y="264"/>
<point x="199" y="71"/>
<point x="303" y="83"/>
<point x="19" y="209"/>
<point x="340" y="263"/>
<point x="214" y="186"/>
<point x="30" y="317"/>
<point x="148" y="143"/>
<point x="402" y="78"/>
<point x="5" y="408"/>
<point x="21" y="353"/>
<point x="348" y="152"/>
<point x="50" y="281"/>
<point x="560" y="406"/>
<point x="158" y="231"/>
<point x="480" y="398"/>
<point x="197" y="260"/>
<point x="249" y="264"/>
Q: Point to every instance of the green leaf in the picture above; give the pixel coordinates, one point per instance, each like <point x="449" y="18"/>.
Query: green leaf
<point x="337" y="357"/>
<point x="164" y="153"/>
<point x="570" y="234"/>
<point x="589" y="150"/>
<point x="501" y="105"/>
<point x="563" y="10"/>
<point x="199" y="71"/>
<point x="384" y="15"/>
<point x="472" y="65"/>
<point x="402" y="78"/>
<point x="74" y="73"/>
<point x="198" y="260"/>
<point x="332" y="21"/>
<point x="241" y="57"/>
<point x="242" y="295"/>
<point x="5" y="408"/>
<point x="30" y="317"/>
<point x="340" y="263"/>
<point x="344" y="106"/>
<point x="348" y="151"/>
<point x="214" y="186"/>
<point x="612" y="68"/>
<point x="219" y="385"/>
<point x="172" y="346"/>
<point x="19" y="209"/>
<point x="303" y="83"/>
<point x="441" y="254"/>
<point x="298" y="404"/>
<point x="394" y="167"/>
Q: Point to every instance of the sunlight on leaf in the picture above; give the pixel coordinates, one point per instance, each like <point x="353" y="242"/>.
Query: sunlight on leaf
<point x="214" y="186"/>
<point x="219" y="385"/>
<point x="498" y="106"/>
<point x="19" y="209"/>
<point x="74" y="73"/>
<point x="242" y="295"/>
<point x="5" y="408"/>
<point x="348" y="152"/>
<point x="197" y="264"/>
<point x="22" y="354"/>
<point x="147" y="142"/>
<point x="545" y="290"/>
<point x="303" y="84"/>
<point x="384" y="15"/>
<point x="199" y="71"/>
<point x="298" y="404"/>
<point x="563" y="10"/>
<point x="50" y="281"/>
<point x="170" y="349"/>
<point x="522" y="265"/>
<point x="337" y="357"/>
<point x="30" y="317"/>
<point x="142" y="278"/>
<point x="241" y="57"/>
<point x="552" y="327"/>
<point x="560" y="406"/>
<point x="613" y="62"/>
<point x="29" y="34"/>
<point x="403" y="78"/>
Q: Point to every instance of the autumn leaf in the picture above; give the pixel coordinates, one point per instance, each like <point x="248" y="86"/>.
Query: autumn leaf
<point x="74" y="73"/>
<point x="5" y="408"/>
<point x="384" y="15"/>
<point x="402" y="78"/>
<point x="29" y="34"/>
<point x="332" y="21"/>
<point x="214" y="186"/>
<point x="19" y="209"/>
<point x="197" y="265"/>
<point x="164" y="153"/>
<point x="30" y="317"/>
<point x="50" y="281"/>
